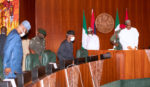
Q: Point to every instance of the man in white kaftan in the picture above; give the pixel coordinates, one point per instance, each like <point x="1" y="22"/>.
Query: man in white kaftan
<point x="92" y="41"/>
<point x="129" y="37"/>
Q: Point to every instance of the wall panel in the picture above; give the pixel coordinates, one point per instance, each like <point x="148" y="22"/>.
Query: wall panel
<point x="58" y="16"/>
<point x="27" y="12"/>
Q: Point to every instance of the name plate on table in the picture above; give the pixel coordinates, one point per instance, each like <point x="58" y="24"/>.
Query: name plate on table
<point x="78" y="61"/>
<point x="92" y="58"/>
<point x="37" y="73"/>
<point x="9" y="83"/>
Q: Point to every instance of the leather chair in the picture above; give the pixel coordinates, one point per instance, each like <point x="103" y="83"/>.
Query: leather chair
<point x="48" y="56"/>
<point x="82" y="53"/>
<point x="32" y="61"/>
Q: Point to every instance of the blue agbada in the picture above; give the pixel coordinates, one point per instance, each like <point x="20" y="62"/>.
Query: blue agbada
<point x="13" y="54"/>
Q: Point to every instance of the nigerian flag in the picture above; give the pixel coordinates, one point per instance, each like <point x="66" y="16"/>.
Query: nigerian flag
<point x="84" y="32"/>
<point x="117" y="24"/>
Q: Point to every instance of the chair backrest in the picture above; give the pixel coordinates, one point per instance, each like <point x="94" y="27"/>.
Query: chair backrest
<point x="82" y="53"/>
<point x="32" y="60"/>
<point x="48" y="56"/>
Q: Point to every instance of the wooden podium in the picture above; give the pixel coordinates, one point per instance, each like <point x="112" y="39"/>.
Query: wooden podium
<point x="131" y="64"/>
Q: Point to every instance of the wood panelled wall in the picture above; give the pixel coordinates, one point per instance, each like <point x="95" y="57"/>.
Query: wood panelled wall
<point x="58" y="16"/>
<point x="27" y="12"/>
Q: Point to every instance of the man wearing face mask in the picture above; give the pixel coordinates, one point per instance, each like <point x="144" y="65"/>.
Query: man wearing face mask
<point x="65" y="51"/>
<point x="92" y="40"/>
<point x="13" y="51"/>
<point x="37" y="44"/>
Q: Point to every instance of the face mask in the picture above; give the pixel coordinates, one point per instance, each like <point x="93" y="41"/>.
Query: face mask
<point x="23" y="34"/>
<point x="72" y="39"/>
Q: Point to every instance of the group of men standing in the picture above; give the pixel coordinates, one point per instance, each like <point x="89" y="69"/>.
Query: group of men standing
<point x="65" y="51"/>
<point x="11" y="49"/>
<point x="126" y="38"/>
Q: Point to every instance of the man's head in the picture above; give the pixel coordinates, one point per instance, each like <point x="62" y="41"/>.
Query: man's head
<point x="3" y="30"/>
<point x="41" y="33"/>
<point x="90" y="31"/>
<point x="24" y="28"/>
<point x="128" y="24"/>
<point x="70" y="36"/>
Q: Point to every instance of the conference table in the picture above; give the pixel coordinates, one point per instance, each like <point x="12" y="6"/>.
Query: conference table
<point x="123" y="65"/>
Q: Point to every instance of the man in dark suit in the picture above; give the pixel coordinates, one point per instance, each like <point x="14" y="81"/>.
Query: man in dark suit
<point x="2" y="40"/>
<point x="65" y="51"/>
<point x="2" y="43"/>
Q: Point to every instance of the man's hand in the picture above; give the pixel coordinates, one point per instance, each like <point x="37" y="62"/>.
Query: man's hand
<point x="135" y="48"/>
<point x="115" y="43"/>
<point x="73" y="62"/>
<point x="40" y="58"/>
<point x="32" y="51"/>
<point x="130" y="48"/>
<point x="7" y="71"/>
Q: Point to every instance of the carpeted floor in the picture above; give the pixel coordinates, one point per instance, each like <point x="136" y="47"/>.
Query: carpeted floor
<point x="129" y="83"/>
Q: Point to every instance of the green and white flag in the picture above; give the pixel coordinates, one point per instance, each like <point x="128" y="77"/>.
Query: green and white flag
<point x="84" y="32"/>
<point x="117" y="24"/>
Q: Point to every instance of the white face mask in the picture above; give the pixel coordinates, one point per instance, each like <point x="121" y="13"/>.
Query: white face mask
<point x="23" y="34"/>
<point x="72" y="38"/>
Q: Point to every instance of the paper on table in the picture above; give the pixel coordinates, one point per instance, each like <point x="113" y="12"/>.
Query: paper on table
<point x="54" y="64"/>
<point x="110" y="49"/>
<point x="12" y="82"/>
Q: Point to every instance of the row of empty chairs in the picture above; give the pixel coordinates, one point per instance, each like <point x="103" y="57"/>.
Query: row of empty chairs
<point x="33" y="60"/>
